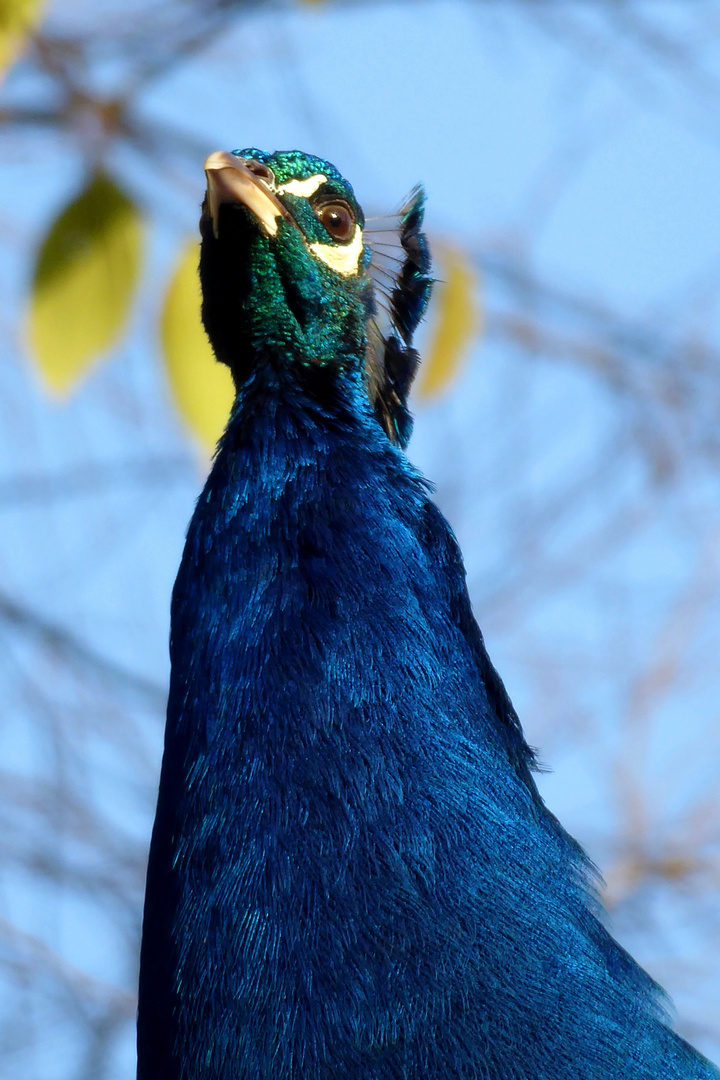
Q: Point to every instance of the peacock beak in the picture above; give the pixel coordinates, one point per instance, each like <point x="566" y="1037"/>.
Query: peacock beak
<point x="229" y="180"/>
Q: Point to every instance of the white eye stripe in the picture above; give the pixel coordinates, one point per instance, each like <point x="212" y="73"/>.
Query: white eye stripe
<point x="345" y="258"/>
<point x="302" y="188"/>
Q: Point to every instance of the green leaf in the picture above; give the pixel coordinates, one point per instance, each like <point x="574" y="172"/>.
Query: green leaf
<point x="457" y="321"/>
<point x="203" y="388"/>
<point x="85" y="277"/>
<point x="18" y="19"/>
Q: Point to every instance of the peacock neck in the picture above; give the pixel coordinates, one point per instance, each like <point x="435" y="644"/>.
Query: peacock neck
<point x="289" y="423"/>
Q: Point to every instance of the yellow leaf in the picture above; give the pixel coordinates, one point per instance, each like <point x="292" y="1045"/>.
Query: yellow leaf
<point x="202" y="387"/>
<point x="457" y="322"/>
<point x="86" y="273"/>
<point x="18" y="18"/>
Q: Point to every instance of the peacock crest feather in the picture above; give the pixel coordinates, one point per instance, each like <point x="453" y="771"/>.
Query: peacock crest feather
<point x="400" y="269"/>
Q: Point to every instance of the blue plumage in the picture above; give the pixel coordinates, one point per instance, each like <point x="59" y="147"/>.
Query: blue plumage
<point x="352" y="874"/>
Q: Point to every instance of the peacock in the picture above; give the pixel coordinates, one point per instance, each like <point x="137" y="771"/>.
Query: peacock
<point x="352" y="875"/>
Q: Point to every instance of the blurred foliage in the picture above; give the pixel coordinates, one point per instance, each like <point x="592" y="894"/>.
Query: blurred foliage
<point x="18" y="18"/>
<point x="203" y="389"/>
<point x="457" y="319"/>
<point x="87" y="272"/>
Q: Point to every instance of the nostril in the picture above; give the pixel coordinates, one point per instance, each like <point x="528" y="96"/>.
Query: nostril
<point x="263" y="172"/>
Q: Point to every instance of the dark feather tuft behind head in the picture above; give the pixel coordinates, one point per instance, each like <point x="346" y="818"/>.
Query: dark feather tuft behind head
<point x="400" y="266"/>
<point x="412" y="292"/>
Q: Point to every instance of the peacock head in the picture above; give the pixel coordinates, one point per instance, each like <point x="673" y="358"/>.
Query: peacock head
<point x="288" y="276"/>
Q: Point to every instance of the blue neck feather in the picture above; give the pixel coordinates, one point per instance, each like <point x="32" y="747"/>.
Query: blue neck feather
<point x="352" y="874"/>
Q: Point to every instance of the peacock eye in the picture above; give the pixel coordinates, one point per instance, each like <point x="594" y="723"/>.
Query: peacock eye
<point x="338" y="219"/>
<point x="263" y="172"/>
